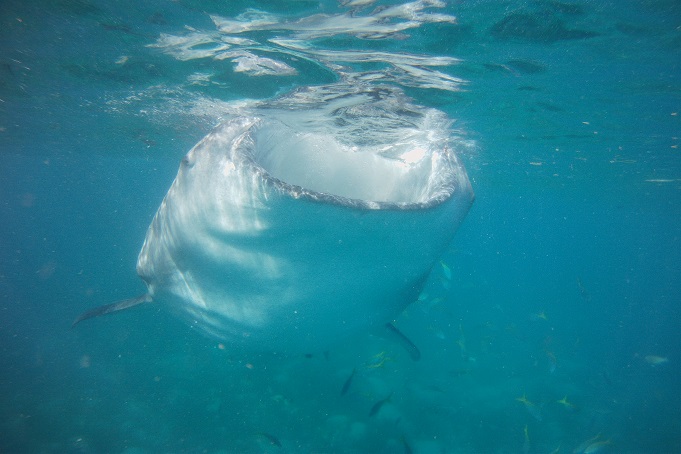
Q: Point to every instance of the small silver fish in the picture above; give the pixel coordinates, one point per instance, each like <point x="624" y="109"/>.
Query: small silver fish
<point x="655" y="360"/>
<point x="271" y="438"/>
<point x="348" y="382"/>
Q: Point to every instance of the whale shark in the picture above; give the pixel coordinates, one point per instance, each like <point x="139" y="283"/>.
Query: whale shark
<point x="298" y="222"/>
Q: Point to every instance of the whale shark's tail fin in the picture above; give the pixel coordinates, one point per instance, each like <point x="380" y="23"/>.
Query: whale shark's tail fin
<point x="114" y="307"/>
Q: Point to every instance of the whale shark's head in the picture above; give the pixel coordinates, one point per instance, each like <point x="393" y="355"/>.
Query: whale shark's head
<point x="309" y="218"/>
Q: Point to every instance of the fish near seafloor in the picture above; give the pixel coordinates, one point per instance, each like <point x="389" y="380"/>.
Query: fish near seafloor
<point x="284" y="231"/>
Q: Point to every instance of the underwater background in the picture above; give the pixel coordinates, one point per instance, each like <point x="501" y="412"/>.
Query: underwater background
<point x="550" y="325"/>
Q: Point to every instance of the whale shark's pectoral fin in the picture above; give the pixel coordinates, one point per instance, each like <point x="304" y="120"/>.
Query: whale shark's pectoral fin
<point x="394" y="334"/>
<point x="113" y="307"/>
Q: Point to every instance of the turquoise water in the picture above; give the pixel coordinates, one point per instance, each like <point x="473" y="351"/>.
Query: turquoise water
<point x="560" y="286"/>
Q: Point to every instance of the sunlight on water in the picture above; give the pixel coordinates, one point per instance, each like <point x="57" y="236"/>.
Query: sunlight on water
<point x="295" y="39"/>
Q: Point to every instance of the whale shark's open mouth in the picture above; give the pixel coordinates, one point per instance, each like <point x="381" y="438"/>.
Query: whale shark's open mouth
<point x="320" y="163"/>
<point x="371" y="146"/>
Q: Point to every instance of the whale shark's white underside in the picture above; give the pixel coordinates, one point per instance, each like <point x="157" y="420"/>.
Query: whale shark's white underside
<point x="299" y="222"/>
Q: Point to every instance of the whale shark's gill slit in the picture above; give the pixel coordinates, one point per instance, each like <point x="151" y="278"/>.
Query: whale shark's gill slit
<point x="113" y="307"/>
